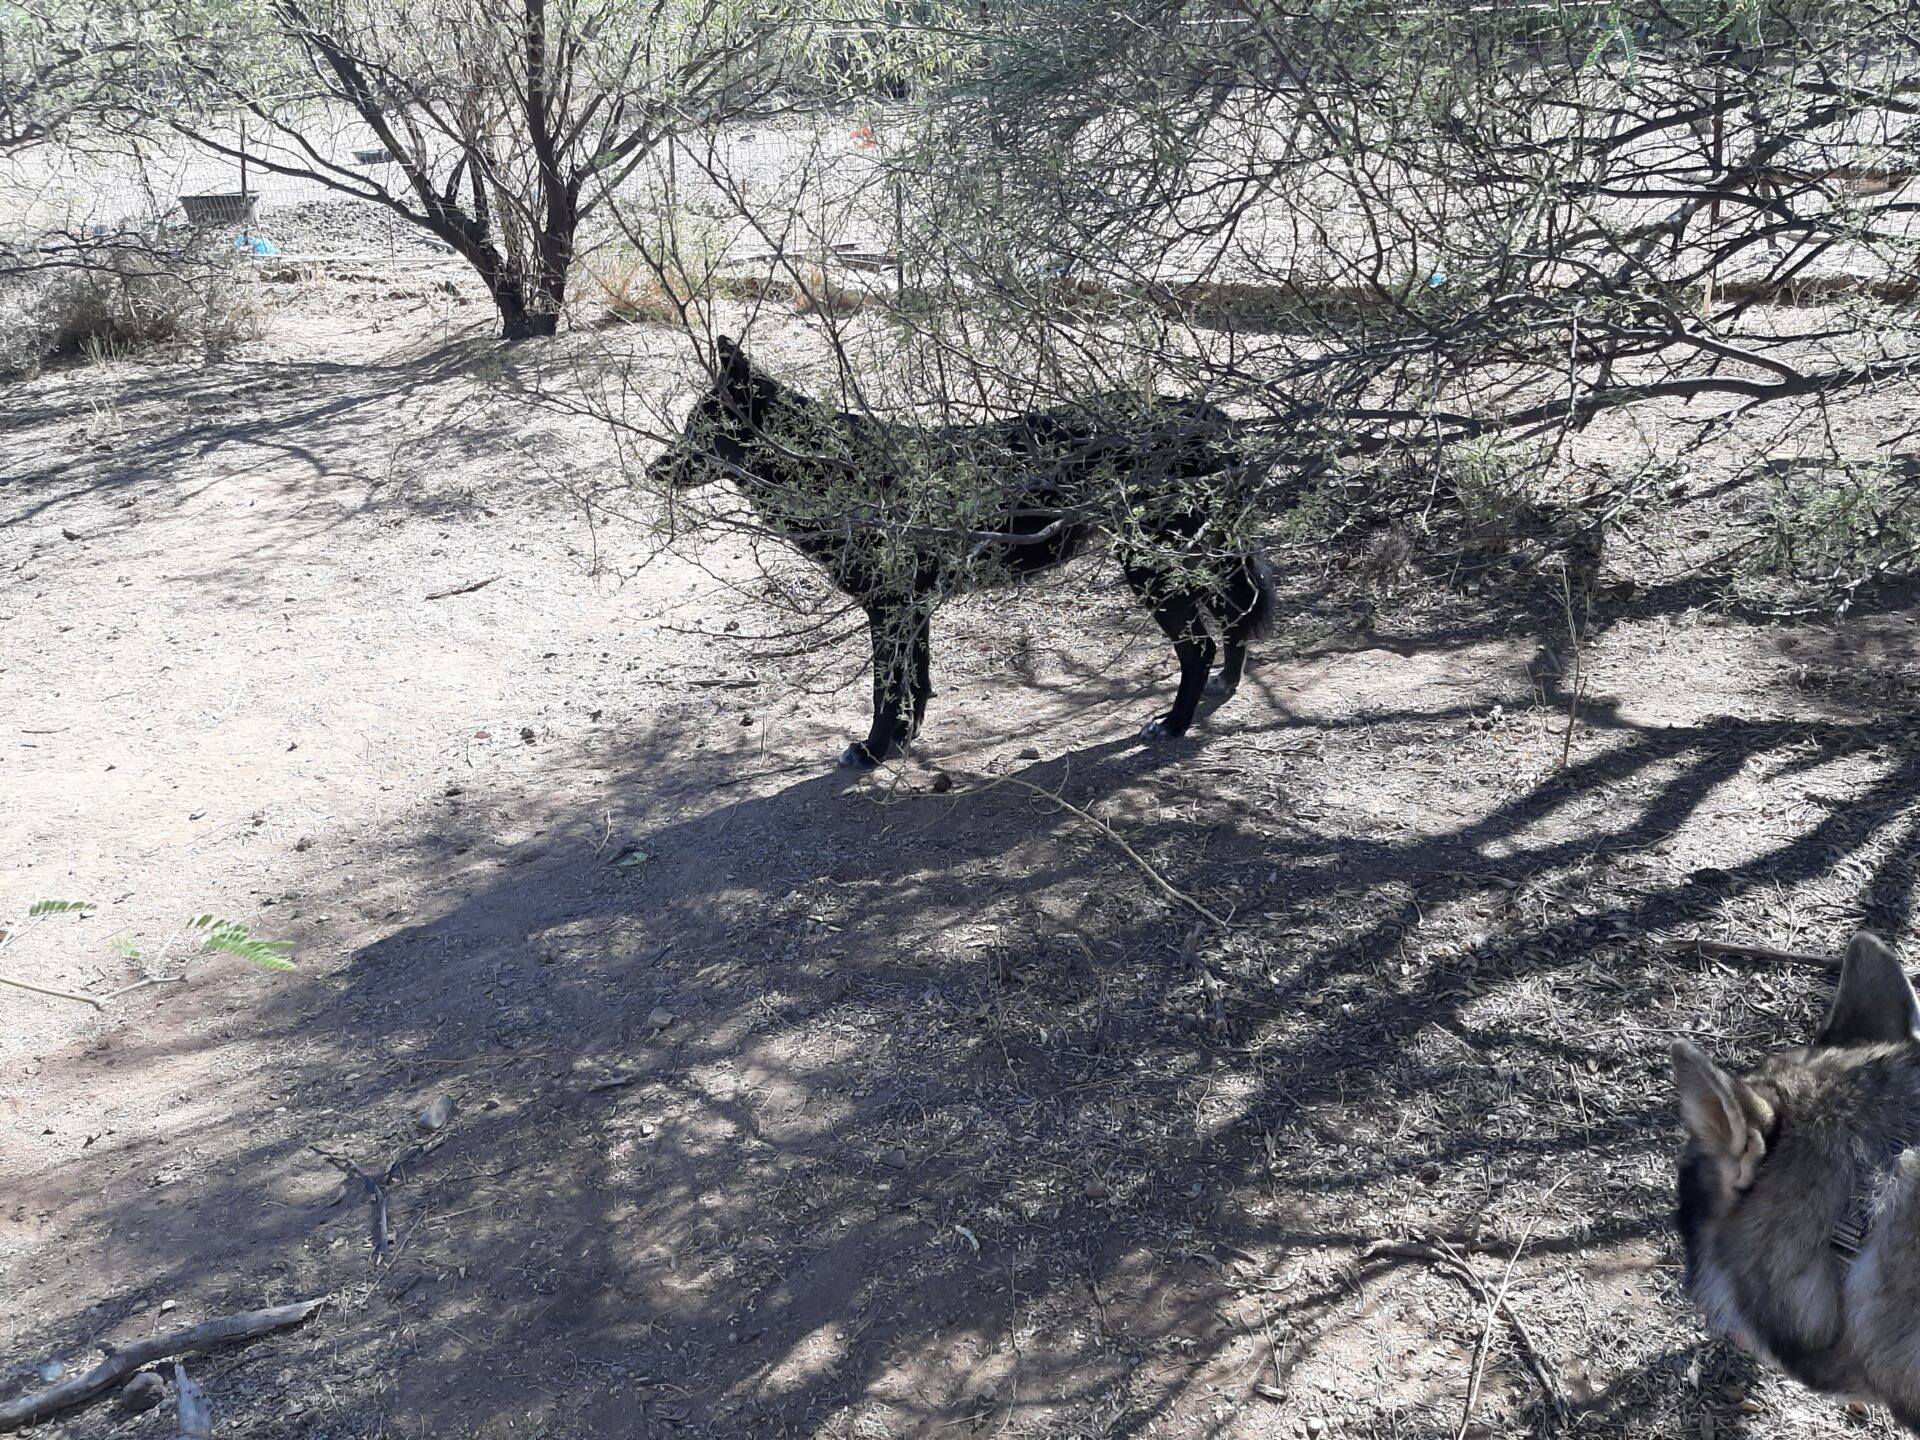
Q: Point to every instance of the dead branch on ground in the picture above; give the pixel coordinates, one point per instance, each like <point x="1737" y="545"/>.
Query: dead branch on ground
<point x="375" y="1187"/>
<point x="119" y="1364"/>
<point x="1744" y="950"/>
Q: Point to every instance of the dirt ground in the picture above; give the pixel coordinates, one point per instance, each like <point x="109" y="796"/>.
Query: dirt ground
<point x="792" y="1103"/>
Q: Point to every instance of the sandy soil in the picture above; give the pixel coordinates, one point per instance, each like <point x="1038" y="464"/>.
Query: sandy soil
<point x="787" y="1103"/>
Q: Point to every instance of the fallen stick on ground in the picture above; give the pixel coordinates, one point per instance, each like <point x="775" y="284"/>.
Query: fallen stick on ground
<point x="375" y="1187"/>
<point x="121" y="1363"/>
<point x="463" y="589"/>
<point x="56" y="994"/>
<point x="1496" y="1303"/>
<point x="1166" y="886"/>
<point x="1742" y="950"/>
<point x="1460" y="1270"/>
<point x="1114" y="835"/>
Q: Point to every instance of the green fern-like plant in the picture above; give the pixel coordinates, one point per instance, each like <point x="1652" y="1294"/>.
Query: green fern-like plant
<point x="230" y="937"/>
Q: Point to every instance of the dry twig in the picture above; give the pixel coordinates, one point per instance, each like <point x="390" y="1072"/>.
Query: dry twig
<point x="1496" y="1303"/>
<point x="1451" y="1262"/>
<point x="1166" y="886"/>
<point x="375" y="1187"/>
<point x="1743" y="950"/>
<point x="463" y="589"/>
<point x="56" y="994"/>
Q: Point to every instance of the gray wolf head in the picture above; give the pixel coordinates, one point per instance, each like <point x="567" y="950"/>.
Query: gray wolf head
<point x="1799" y="1193"/>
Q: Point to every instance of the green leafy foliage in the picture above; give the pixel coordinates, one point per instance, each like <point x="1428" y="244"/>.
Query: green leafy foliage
<point x="230" y="937"/>
<point x="59" y="907"/>
<point x="63" y="63"/>
<point x="1842" y="523"/>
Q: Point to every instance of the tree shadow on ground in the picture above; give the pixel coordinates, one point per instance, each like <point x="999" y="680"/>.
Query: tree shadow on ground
<point x="786" y="1106"/>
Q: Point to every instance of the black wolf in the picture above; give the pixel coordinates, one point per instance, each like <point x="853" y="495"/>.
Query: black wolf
<point x="901" y="518"/>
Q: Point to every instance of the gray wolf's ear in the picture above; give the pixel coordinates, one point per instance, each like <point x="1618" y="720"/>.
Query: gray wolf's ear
<point x="1725" y="1116"/>
<point x="1875" y="1004"/>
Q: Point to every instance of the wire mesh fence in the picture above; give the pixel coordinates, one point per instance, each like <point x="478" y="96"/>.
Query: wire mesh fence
<point x="750" y="189"/>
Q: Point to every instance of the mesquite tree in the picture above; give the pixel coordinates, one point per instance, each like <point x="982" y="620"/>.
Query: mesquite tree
<point x="1500" y="217"/>
<point x="499" y="127"/>
<point x="60" y="62"/>
<point x="1447" y="234"/>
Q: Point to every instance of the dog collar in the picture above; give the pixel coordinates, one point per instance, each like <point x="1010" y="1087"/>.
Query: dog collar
<point x="1851" y="1233"/>
<point x="1873" y="1167"/>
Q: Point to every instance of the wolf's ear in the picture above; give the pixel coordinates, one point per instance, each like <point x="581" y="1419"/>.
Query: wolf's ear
<point x="1875" y="1004"/>
<point x="1724" y="1115"/>
<point x="729" y="358"/>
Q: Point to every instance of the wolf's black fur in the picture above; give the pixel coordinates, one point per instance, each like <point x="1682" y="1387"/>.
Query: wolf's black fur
<point x="1026" y="494"/>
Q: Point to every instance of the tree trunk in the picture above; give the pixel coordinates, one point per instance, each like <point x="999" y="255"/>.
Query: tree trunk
<point x="553" y="258"/>
<point x="510" y="299"/>
<point x="530" y="306"/>
<point x="518" y="320"/>
<point x="531" y="325"/>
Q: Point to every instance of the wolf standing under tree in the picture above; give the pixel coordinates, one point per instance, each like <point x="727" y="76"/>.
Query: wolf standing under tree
<point x="901" y="518"/>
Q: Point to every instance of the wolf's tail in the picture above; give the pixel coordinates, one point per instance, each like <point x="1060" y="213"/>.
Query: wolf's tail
<point x="1253" y="600"/>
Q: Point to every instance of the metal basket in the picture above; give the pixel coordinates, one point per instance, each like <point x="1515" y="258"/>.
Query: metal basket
<point x="234" y="208"/>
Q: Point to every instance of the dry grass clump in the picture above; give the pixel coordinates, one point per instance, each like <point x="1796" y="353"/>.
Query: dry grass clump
<point x="120" y="300"/>
<point x="625" y="287"/>
<point x="815" y="292"/>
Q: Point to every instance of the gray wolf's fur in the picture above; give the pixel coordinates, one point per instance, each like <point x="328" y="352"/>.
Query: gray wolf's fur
<point x="1816" y="1142"/>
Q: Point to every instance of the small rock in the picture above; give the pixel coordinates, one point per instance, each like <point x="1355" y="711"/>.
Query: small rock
<point x="1030" y="752"/>
<point x="142" y="1393"/>
<point x="167" y="1305"/>
<point x="660" y="1017"/>
<point x="526" y="735"/>
<point x="746" y="719"/>
<point x="942" y="783"/>
<point x="436" y="1115"/>
<point x="66" y="534"/>
<point x="1316" y="1427"/>
<point x="1095" y="1188"/>
<point x="49" y="1370"/>
<point x="895" y="1159"/>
